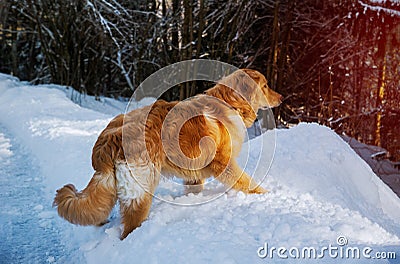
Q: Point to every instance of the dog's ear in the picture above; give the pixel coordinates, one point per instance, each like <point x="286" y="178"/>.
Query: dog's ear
<point x="253" y="75"/>
<point x="247" y="82"/>
<point x="244" y="82"/>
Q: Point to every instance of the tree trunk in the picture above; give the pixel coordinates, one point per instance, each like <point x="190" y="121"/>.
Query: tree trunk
<point x="201" y="28"/>
<point x="284" y="47"/>
<point x="273" y="52"/>
<point x="14" y="51"/>
<point x="272" y="59"/>
<point x="175" y="29"/>
<point x="380" y="93"/>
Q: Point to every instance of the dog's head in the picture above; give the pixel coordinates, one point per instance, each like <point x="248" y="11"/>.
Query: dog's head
<point x="254" y="87"/>
<point x="246" y="91"/>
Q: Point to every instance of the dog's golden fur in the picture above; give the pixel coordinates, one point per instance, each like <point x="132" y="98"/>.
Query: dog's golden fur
<point x="193" y="139"/>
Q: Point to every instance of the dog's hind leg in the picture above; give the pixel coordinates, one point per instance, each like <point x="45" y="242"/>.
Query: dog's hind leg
<point x="193" y="186"/>
<point x="136" y="185"/>
<point x="134" y="212"/>
<point x="233" y="176"/>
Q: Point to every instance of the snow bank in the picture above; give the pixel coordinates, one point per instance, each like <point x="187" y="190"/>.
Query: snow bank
<point x="313" y="159"/>
<point x="5" y="145"/>
<point x="319" y="189"/>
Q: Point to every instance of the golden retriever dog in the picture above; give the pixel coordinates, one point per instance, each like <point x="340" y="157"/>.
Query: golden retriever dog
<point x="195" y="139"/>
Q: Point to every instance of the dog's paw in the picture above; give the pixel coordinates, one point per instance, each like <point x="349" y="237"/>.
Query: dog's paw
<point x="258" y="190"/>
<point x="103" y="223"/>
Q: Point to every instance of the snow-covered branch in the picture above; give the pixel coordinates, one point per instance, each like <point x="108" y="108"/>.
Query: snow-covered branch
<point x="380" y="8"/>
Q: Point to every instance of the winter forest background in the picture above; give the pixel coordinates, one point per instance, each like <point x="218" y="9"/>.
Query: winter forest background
<point x="336" y="62"/>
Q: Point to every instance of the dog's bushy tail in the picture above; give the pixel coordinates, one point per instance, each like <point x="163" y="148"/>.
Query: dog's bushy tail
<point x="92" y="205"/>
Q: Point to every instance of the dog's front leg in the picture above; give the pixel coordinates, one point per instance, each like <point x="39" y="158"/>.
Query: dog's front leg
<point x="233" y="176"/>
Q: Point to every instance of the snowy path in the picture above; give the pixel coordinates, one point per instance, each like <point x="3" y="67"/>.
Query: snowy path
<point x="28" y="231"/>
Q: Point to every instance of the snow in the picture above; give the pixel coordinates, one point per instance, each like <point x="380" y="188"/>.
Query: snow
<point x="378" y="9"/>
<point x="376" y="158"/>
<point x="383" y="1"/>
<point x="319" y="190"/>
<point x="5" y="145"/>
<point x="24" y="222"/>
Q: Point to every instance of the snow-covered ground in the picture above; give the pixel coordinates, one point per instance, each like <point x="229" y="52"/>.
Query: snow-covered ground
<point x="319" y="191"/>
<point x="377" y="159"/>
